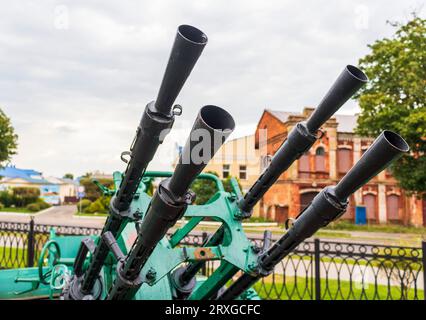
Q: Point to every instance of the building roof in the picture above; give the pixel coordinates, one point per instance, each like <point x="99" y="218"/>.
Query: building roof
<point x="282" y="115"/>
<point x="29" y="175"/>
<point x="13" y="172"/>
<point x="30" y="180"/>
<point x="55" y="180"/>
<point x="345" y="123"/>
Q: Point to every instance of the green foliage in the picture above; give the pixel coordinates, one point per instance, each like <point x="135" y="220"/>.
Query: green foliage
<point x="149" y="187"/>
<point x="277" y="288"/>
<point x="227" y="184"/>
<point x="42" y="204"/>
<point x="389" y="228"/>
<point x="104" y="200"/>
<point x="95" y="201"/>
<point x="34" y="207"/>
<point x="260" y="219"/>
<point x="8" y="138"/>
<point x="23" y="196"/>
<point x="97" y="206"/>
<point x="7" y="198"/>
<point x="92" y="191"/>
<point x="84" y="204"/>
<point x="394" y="99"/>
<point x="69" y="176"/>
<point x="1" y="206"/>
<point x="204" y="189"/>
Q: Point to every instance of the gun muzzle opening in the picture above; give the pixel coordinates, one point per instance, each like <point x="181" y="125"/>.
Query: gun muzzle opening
<point x="350" y="80"/>
<point x="396" y="141"/>
<point x="217" y="118"/>
<point x="387" y="147"/>
<point x="192" y="34"/>
<point x="357" y="73"/>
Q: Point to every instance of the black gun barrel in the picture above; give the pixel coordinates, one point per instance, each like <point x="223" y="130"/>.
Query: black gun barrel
<point x="327" y="206"/>
<point x="303" y="135"/>
<point x="189" y="44"/>
<point x="212" y="126"/>
<point x="158" y="118"/>
<point x="156" y="122"/>
<point x="385" y="148"/>
<point x="350" y="80"/>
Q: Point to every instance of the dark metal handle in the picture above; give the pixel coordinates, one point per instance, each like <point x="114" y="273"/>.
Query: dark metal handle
<point x="112" y="244"/>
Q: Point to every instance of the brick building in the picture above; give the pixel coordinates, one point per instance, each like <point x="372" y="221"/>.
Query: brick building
<point x="324" y="164"/>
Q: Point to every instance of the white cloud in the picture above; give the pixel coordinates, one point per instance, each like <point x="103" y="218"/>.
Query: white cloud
<point x="76" y="76"/>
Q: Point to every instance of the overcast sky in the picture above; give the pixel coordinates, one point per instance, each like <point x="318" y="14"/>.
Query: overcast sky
<point x="75" y="76"/>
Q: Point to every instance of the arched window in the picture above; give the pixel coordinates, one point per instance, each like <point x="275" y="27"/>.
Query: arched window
<point x="320" y="159"/>
<point x="320" y="151"/>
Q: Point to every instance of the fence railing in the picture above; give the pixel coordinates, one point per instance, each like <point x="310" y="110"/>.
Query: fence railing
<point x="315" y="270"/>
<point x="21" y="243"/>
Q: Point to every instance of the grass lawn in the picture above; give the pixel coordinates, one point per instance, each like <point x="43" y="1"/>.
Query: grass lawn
<point x="12" y="258"/>
<point x="387" y="228"/>
<point x="340" y="229"/>
<point x="13" y="251"/>
<point x="303" y="289"/>
<point x="19" y="210"/>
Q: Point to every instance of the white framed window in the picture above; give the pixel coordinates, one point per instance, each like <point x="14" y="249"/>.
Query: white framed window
<point x="243" y="172"/>
<point x="225" y="171"/>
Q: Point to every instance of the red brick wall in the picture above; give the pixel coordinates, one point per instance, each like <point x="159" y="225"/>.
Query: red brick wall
<point x="286" y="192"/>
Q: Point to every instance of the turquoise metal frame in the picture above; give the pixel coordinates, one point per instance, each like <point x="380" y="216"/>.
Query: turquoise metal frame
<point x="235" y="253"/>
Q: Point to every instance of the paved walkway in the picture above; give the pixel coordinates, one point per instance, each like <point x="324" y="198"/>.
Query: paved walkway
<point x="58" y="215"/>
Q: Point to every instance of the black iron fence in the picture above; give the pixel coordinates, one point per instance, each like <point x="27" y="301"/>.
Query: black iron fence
<point x="21" y="243"/>
<point x="315" y="270"/>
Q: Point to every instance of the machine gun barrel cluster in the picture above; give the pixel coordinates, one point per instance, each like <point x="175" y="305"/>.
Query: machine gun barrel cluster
<point x="156" y="121"/>
<point x="327" y="206"/>
<point x="299" y="140"/>
<point x="137" y="257"/>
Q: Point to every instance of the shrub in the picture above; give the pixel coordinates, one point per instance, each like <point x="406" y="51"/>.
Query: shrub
<point x="7" y="198"/>
<point x="96" y="207"/>
<point x="84" y="204"/>
<point x="42" y="204"/>
<point x="33" y="207"/>
<point x="1" y="205"/>
<point x="105" y="201"/>
<point x="92" y="191"/>
<point x="24" y="196"/>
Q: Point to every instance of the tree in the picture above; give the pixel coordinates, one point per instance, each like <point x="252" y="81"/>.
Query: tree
<point x="8" y="138"/>
<point x="92" y="191"/>
<point x="227" y="184"/>
<point x="395" y="97"/>
<point x="69" y="176"/>
<point x="204" y="189"/>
